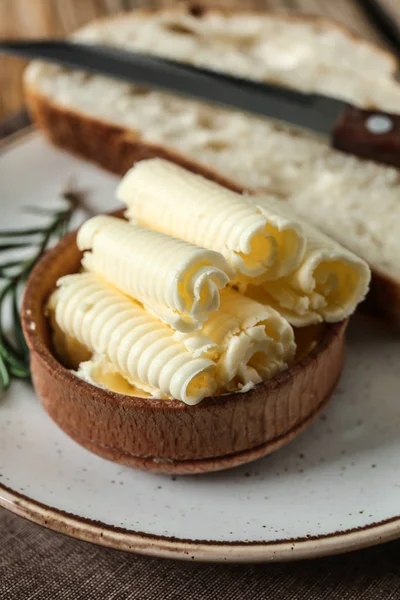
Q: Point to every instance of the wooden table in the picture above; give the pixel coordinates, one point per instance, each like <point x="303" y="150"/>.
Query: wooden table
<point x="44" y="18"/>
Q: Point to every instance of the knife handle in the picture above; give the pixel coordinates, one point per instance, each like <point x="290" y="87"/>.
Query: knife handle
<point x="371" y="134"/>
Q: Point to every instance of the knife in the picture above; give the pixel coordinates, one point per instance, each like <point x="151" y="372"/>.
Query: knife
<point x="371" y="134"/>
<point x="382" y="20"/>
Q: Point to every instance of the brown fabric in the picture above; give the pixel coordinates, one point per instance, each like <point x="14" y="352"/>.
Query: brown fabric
<point x="38" y="564"/>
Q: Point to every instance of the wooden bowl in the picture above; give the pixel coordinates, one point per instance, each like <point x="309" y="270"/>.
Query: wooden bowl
<point x="169" y="436"/>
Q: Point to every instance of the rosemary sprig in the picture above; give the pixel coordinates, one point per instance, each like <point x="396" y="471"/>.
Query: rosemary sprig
<point x="14" y="353"/>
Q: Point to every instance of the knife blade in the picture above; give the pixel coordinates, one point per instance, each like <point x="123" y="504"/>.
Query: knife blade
<point x="370" y="134"/>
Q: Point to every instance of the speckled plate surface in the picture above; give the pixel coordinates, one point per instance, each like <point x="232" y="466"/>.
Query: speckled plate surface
<point x="333" y="489"/>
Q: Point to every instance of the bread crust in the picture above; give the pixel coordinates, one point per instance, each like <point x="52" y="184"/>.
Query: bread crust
<point x="169" y="436"/>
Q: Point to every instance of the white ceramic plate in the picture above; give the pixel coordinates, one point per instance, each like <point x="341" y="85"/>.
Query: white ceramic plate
<point x="335" y="488"/>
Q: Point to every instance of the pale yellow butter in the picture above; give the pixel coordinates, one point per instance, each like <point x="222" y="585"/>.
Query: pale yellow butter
<point x="327" y="286"/>
<point x="257" y="242"/>
<point x="250" y="341"/>
<point x="140" y="347"/>
<point x="66" y="346"/>
<point x="157" y="316"/>
<point x="100" y="372"/>
<point x="177" y="281"/>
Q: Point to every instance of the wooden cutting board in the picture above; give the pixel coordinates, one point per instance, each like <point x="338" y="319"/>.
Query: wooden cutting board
<point x="24" y="18"/>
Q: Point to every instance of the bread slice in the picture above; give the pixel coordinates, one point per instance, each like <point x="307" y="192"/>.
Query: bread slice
<point x="115" y="124"/>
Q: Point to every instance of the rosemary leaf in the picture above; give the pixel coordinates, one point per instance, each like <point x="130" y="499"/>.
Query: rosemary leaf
<point x="20" y="373"/>
<point x="20" y="232"/>
<point x="9" y="264"/>
<point x="12" y="361"/>
<point x="19" y="336"/>
<point x="37" y="210"/>
<point x="14" y="351"/>
<point x="4" y="376"/>
<point x="13" y="246"/>
<point x="7" y="350"/>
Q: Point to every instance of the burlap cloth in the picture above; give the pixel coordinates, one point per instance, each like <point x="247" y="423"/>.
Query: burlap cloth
<point x="38" y="564"/>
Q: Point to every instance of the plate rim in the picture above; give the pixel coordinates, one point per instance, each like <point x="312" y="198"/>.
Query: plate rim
<point x="186" y="549"/>
<point x="161" y="546"/>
